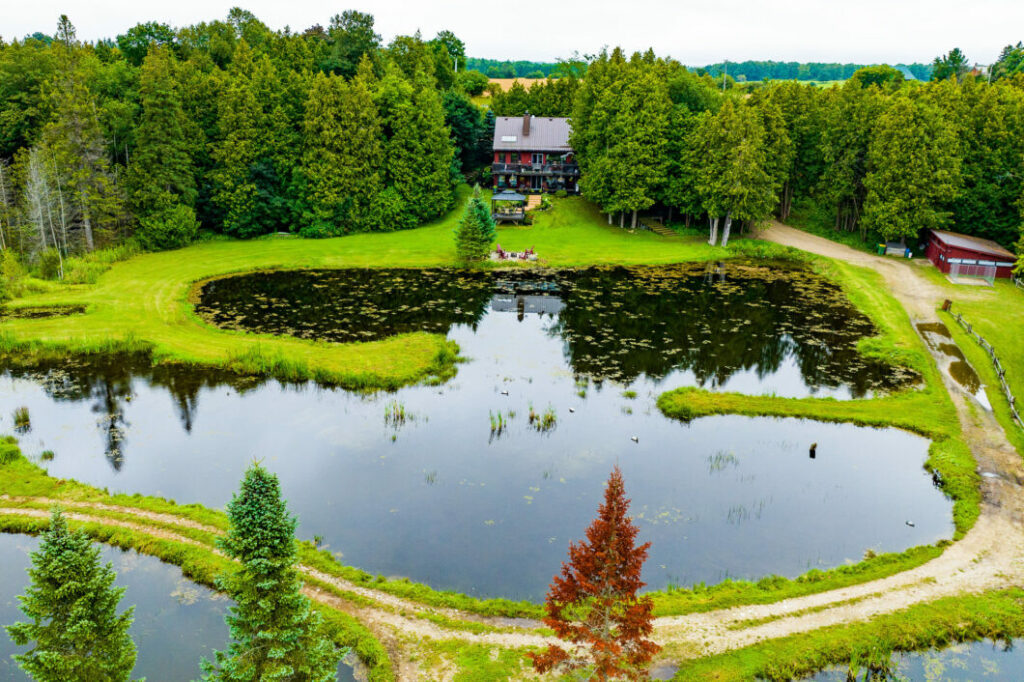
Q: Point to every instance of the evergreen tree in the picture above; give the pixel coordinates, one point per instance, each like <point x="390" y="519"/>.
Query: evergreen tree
<point x="734" y="182"/>
<point x="639" y="130"/>
<point x="340" y="180"/>
<point x="75" y="631"/>
<point x="418" y="152"/>
<point x="848" y="124"/>
<point x="161" y="173"/>
<point x="76" y="146"/>
<point x="476" y="230"/>
<point x="275" y="635"/>
<point x="593" y="605"/>
<point x="953" y="64"/>
<point x="239" y="131"/>
<point x="914" y="170"/>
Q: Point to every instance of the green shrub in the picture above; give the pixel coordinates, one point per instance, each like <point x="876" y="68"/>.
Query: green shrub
<point x="170" y="228"/>
<point x="545" y="202"/>
<point x="12" y="275"/>
<point x="47" y="455"/>
<point x="87" y="268"/>
<point x="561" y="194"/>
<point x="51" y="264"/>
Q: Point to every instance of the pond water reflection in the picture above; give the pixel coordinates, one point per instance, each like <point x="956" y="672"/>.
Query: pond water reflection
<point x="440" y="497"/>
<point x="177" y="622"/>
<point x="964" y="662"/>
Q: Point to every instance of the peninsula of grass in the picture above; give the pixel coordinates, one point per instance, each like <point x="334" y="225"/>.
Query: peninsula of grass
<point x="142" y="303"/>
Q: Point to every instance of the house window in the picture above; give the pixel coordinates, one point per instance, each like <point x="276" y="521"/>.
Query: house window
<point x="538" y="158"/>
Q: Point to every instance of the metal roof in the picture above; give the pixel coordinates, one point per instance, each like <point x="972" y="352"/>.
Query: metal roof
<point x="963" y="241"/>
<point x="508" y="196"/>
<point x="546" y="134"/>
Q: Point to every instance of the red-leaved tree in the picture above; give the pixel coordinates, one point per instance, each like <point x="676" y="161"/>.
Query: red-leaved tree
<point x="593" y="605"/>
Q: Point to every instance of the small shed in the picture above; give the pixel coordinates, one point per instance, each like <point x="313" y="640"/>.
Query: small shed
<point x="963" y="255"/>
<point x="508" y="206"/>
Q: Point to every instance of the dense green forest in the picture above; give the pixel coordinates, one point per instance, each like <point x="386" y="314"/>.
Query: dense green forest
<point x="231" y="127"/>
<point x="877" y="155"/>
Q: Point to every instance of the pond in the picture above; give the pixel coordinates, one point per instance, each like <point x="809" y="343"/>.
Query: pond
<point x="177" y="622"/>
<point x="429" y="484"/>
<point x="965" y="662"/>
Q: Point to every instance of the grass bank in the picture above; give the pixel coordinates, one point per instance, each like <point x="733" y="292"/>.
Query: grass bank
<point x="994" y="615"/>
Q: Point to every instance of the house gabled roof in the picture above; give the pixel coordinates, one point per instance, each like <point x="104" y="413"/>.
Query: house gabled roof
<point x="546" y="134"/>
<point x="963" y="241"/>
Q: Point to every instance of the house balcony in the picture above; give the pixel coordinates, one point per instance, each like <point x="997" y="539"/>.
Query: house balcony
<point x="565" y="169"/>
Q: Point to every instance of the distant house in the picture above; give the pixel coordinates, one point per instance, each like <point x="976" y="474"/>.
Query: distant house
<point x="532" y="154"/>
<point x="952" y="251"/>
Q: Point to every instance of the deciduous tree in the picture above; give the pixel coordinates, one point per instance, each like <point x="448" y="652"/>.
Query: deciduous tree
<point x="593" y="605"/>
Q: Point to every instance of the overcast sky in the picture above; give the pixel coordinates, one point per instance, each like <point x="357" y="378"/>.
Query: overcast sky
<point x="696" y="33"/>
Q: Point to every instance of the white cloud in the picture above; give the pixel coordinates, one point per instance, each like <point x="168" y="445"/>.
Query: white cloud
<point x="694" y="32"/>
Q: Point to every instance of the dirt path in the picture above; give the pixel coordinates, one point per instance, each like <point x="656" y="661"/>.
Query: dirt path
<point x="990" y="556"/>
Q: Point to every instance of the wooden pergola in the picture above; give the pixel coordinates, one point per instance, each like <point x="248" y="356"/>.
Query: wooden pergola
<point x="510" y="206"/>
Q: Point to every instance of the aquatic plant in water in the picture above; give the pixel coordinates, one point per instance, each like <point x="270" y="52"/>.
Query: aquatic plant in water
<point x="395" y="414"/>
<point x="22" y="421"/>
<point x="543" y="422"/>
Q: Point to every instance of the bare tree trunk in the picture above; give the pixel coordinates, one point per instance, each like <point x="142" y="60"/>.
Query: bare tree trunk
<point x="714" y="230"/>
<point x="728" y="226"/>
<point x="622" y="220"/>
<point x="35" y="195"/>
<point x="63" y="210"/>
<point x="669" y="219"/>
<point x="634" y="219"/>
<point x="5" y="207"/>
<point x="87" y="223"/>
<point x="609" y="218"/>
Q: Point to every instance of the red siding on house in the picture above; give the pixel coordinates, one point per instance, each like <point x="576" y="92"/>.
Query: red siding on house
<point x="939" y="253"/>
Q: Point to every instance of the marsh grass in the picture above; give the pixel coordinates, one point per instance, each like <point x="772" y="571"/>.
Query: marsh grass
<point x="22" y="420"/>
<point x="543" y="422"/>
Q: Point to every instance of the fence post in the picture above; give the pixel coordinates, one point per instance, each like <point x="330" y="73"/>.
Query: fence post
<point x="1000" y="371"/>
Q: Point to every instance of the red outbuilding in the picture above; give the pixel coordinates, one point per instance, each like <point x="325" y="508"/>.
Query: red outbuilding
<point x="963" y="255"/>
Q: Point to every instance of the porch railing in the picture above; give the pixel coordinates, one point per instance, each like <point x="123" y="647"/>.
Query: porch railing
<point x="535" y="168"/>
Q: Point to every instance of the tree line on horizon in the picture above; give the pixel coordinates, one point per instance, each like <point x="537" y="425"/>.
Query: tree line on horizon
<point x="875" y="156"/>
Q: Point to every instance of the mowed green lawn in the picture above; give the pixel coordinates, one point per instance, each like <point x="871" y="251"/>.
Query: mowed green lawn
<point x="143" y="302"/>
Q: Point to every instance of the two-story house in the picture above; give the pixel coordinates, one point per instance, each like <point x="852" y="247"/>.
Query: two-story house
<point x="532" y="154"/>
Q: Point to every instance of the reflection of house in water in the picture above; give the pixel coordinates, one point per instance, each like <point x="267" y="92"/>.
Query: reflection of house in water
<point x="527" y="303"/>
<point x="541" y="296"/>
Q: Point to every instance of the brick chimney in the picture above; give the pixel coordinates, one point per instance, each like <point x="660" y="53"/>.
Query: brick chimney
<point x="526" y="124"/>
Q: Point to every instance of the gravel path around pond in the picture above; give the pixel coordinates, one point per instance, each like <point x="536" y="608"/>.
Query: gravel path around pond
<point x="990" y="556"/>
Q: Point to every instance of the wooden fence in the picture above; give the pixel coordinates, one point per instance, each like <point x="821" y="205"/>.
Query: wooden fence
<point x="1000" y="372"/>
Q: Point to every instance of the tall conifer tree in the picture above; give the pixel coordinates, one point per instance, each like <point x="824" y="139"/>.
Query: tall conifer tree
<point x="275" y="635"/>
<point x="593" y="605"/>
<point x="74" y="629"/>
<point x="161" y="172"/>
<point x="340" y="176"/>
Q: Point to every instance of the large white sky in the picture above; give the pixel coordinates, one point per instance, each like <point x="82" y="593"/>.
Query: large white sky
<point x="694" y="32"/>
